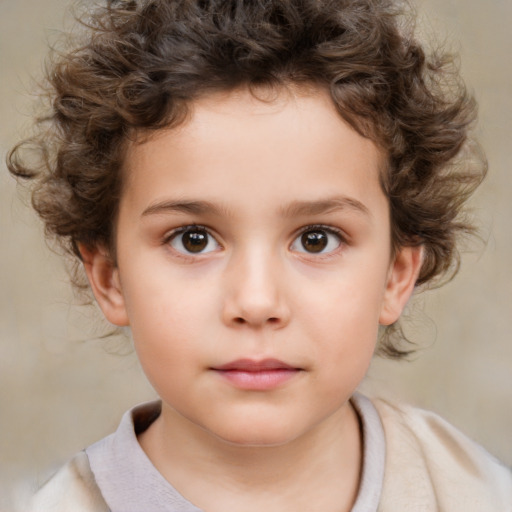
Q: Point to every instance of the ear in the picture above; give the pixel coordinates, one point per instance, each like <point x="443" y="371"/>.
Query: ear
<point x="103" y="277"/>
<point x="402" y="277"/>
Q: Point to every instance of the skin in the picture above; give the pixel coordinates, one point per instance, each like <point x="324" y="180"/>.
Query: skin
<point x="255" y="174"/>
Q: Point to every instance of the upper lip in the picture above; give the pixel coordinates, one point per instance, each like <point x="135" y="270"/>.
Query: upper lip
<point x="251" y="365"/>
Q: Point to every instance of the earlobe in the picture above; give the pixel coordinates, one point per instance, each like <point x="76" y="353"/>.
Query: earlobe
<point x="402" y="277"/>
<point x="103" y="277"/>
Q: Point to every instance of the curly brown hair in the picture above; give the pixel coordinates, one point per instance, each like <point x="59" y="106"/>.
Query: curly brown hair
<point x="144" y="61"/>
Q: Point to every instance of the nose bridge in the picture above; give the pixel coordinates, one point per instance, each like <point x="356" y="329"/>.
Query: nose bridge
<point x="255" y="294"/>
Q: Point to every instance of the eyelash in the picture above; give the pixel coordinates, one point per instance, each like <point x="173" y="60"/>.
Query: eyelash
<point x="310" y="228"/>
<point x="174" y="234"/>
<point x="328" y="229"/>
<point x="183" y="229"/>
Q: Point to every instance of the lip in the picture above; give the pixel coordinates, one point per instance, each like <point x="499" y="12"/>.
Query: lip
<point x="264" y="375"/>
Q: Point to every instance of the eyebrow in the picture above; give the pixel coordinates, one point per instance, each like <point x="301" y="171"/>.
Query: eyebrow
<point x="296" y="208"/>
<point x="192" y="207"/>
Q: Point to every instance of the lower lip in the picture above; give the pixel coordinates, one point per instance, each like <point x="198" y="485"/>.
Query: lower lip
<point x="262" y="380"/>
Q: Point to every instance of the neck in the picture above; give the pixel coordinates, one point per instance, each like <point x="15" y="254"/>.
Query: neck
<point x="323" y="464"/>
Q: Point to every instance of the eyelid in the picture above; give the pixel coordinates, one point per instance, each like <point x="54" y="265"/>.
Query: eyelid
<point x="340" y="234"/>
<point x="175" y="233"/>
<point x="324" y="227"/>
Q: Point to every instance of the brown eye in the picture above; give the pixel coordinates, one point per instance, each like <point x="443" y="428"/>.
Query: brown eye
<point x="193" y="241"/>
<point x="316" y="240"/>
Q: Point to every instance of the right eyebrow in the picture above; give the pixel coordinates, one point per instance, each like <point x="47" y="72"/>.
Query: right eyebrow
<point x="192" y="207"/>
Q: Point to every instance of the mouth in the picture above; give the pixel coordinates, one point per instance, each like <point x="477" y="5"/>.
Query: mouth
<point x="249" y="374"/>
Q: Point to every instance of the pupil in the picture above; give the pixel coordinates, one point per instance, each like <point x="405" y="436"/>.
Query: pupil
<point x="194" y="241"/>
<point x="314" y="241"/>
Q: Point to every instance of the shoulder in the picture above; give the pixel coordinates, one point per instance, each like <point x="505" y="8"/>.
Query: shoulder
<point x="430" y="465"/>
<point x="73" y="487"/>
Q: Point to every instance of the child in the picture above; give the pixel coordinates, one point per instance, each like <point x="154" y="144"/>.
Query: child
<point x="255" y="187"/>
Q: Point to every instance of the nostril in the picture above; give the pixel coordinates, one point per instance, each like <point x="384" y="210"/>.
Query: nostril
<point x="241" y="321"/>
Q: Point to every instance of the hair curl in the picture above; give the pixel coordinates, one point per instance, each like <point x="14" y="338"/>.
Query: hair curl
<point x="143" y="62"/>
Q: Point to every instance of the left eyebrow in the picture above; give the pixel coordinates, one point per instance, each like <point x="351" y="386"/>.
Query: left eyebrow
<point x="297" y="208"/>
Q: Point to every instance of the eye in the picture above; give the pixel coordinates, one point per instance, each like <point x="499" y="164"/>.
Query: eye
<point x="316" y="240"/>
<point x="193" y="240"/>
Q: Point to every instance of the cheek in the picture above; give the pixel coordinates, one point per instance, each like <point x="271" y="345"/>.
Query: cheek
<point x="166" y="343"/>
<point x="166" y="321"/>
<point x="350" y="301"/>
<point x="168" y="296"/>
<point x="343" y="319"/>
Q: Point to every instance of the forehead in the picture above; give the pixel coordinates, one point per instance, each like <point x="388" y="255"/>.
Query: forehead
<point x="278" y="145"/>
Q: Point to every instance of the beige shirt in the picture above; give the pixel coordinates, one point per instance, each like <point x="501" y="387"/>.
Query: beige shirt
<point x="413" y="460"/>
<point x="431" y="466"/>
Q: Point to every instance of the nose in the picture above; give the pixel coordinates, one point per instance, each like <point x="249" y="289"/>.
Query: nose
<point x="255" y="294"/>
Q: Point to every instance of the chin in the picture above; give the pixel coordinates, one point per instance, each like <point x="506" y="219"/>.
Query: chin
<point x="256" y="434"/>
<point x="256" y="440"/>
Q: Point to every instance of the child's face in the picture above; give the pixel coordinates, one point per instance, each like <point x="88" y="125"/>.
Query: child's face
<point x="255" y="232"/>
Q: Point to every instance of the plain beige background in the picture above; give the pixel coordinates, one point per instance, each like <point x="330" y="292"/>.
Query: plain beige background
<point x="61" y="389"/>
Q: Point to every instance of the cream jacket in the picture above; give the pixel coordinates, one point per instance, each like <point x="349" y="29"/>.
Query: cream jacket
<point x="430" y="466"/>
